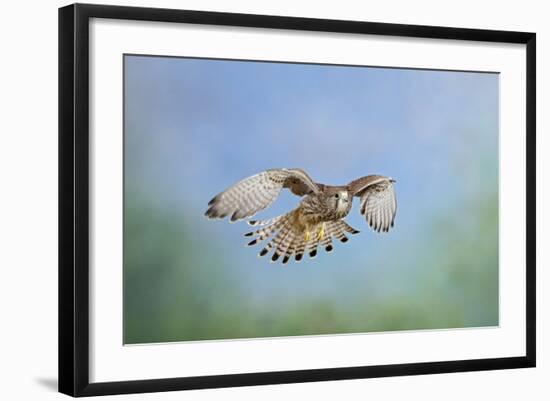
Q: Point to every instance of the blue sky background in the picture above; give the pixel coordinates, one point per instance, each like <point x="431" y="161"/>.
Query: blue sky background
<point x="195" y="126"/>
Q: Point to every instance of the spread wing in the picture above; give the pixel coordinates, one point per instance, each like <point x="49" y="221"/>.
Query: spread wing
<point x="250" y="195"/>
<point x="377" y="200"/>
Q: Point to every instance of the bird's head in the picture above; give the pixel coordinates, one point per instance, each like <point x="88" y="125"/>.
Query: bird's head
<point x="338" y="199"/>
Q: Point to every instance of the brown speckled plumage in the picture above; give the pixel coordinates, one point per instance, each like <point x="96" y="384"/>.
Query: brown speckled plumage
<point x="316" y="221"/>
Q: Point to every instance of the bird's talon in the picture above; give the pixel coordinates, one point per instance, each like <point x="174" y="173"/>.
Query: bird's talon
<point x="321" y="233"/>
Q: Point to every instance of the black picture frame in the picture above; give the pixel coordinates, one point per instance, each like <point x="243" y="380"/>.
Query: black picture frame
<point x="74" y="198"/>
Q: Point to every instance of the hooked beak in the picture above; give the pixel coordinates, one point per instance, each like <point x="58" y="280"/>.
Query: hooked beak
<point x="392" y="180"/>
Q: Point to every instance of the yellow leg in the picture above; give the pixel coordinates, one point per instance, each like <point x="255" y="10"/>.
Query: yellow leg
<point x="321" y="232"/>
<point x="306" y="235"/>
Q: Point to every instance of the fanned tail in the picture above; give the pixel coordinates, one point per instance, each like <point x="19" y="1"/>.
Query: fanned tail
<point x="288" y="240"/>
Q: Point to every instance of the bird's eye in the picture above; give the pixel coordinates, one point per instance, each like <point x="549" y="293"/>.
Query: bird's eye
<point x="337" y="196"/>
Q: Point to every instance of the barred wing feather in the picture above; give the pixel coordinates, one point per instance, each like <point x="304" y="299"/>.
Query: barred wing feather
<point x="377" y="200"/>
<point x="250" y="195"/>
<point x="378" y="205"/>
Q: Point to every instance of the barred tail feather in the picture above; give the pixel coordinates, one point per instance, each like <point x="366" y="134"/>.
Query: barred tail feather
<point x="326" y="241"/>
<point x="265" y="222"/>
<point x="297" y="248"/>
<point x="337" y="230"/>
<point x="280" y="242"/>
<point x="288" y="246"/>
<point x="279" y="228"/>
<point x="265" y="232"/>
<point x="300" y="249"/>
<point x="312" y="246"/>
<point x="287" y="241"/>
<point x="347" y="227"/>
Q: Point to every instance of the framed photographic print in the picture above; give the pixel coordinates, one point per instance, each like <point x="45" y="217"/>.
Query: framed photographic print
<point x="379" y="178"/>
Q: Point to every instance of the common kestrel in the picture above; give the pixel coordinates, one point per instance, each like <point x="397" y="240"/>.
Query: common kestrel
<point x="319" y="215"/>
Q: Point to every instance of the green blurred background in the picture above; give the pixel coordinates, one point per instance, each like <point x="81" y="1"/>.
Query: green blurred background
<point x="193" y="127"/>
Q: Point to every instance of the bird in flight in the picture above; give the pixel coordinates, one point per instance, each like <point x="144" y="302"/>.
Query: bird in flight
<point x="316" y="220"/>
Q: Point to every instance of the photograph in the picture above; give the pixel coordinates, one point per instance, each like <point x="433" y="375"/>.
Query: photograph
<point x="279" y="200"/>
<point x="267" y="199"/>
